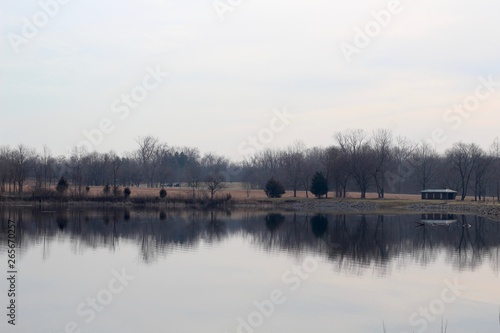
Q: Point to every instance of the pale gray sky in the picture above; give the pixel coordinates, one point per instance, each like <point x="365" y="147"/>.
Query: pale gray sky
<point x="226" y="76"/>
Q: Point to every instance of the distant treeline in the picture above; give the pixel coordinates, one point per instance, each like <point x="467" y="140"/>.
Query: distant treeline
<point x="356" y="161"/>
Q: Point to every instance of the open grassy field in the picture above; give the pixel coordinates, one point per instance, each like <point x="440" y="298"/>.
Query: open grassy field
<point x="240" y="194"/>
<point x="391" y="202"/>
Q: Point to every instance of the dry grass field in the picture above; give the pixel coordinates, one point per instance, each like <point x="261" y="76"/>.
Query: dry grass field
<point x="238" y="193"/>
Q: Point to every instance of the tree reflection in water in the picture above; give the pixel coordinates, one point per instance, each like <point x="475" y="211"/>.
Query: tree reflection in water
<point x="319" y="225"/>
<point x="350" y="242"/>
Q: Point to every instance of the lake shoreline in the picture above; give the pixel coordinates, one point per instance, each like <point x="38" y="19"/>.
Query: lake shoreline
<point x="393" y="206"/>
<point x="340" y="205"/>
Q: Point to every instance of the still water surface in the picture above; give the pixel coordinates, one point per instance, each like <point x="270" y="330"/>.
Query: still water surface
<point x="152" y="271"/>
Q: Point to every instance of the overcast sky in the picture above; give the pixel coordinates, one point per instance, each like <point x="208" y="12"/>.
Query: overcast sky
<point x="232" y="68"/>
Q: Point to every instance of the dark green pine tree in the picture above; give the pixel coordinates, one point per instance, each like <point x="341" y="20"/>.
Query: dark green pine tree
<point x="319" y="185"/>
<point x="62" y="185"/>
<point x="274" y="189"/>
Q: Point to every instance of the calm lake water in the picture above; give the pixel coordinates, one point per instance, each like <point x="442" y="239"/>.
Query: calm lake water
<point x="151" y="271"/>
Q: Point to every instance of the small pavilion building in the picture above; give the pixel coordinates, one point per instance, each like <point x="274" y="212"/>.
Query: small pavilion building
<point x="445" y="194"/>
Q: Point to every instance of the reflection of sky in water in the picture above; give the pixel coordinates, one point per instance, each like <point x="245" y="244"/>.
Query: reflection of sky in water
<point x="199" y="273"/>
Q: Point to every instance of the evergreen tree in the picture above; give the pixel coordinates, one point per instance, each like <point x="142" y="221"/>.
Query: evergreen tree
<point x="274" y="189"/>
<point x="62" y="185"/>
<point x="319" y="185"/>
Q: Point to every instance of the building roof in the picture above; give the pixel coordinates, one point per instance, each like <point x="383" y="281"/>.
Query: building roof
<point x="439" y="191"/>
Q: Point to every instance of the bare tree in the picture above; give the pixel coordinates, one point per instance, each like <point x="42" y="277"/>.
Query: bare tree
<point x="22" y="162"/>
<point x="451" y="179"/>
<point x="131" y="170"/>
<point x="5" y="168"/>
<point x="495" y="166"/>
<point x="426" y="164"/>
<point x="402" y="168"/>
<point x="116" y="164"/>
<point x="341" y="175"/>
<point x="215" y="183"/>
<point x="213" y="163"/>
<point x="214" y="166"/>
<point x="95" y="170"/>
<point x="77" y="157"/>
<point x="154" y="158"/>
<point x="360" y="157"/>
<point x="481" y="169"/>
<point x="193" y="175"/>
<point x="293" y="164"/>
<point x="335" y="167"/>
<point x="38" y="172"/>
<point x="105" y="165"/>
<point x="147" y="154"/>
<point x="249" y="177"/>
<point x="165" y="160"/>
<point x="382" y="141"/>
<point x="185" y="158"/>
<point x="47" y="162"/>
<point x="464" y="159"/>
<point x="268" y="162"/>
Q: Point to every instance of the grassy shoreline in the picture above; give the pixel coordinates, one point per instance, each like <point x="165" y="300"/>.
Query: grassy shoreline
<point x="339" y="205"/>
